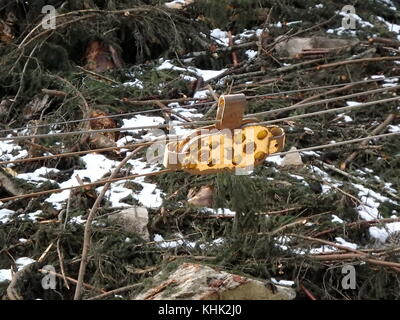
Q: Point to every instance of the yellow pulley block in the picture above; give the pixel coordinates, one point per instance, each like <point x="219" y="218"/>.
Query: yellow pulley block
<point x="233" y="143"/>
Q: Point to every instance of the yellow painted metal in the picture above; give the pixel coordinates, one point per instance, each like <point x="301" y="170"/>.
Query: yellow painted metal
<point x="232" y="144"/>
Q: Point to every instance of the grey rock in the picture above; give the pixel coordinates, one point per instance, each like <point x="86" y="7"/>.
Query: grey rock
<point x="132" y="220"/>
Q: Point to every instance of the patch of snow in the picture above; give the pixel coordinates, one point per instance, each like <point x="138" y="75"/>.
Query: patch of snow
<point x="33" y="216"/>
<point x="285" y="283"/>
<point x="37" y="175"/>
<point x="382" y="234"/>
<point x="391" y="26"/>
<point x="371" y="202"/>
<point x="5" y="275"/>
<point x="335" y="218"/>
<point x="167" y="65"/>
<point x="97" y="166"/>
<point x="251" y="54"/>
<point x="352" y="103"/>
<point x="189" y="113"/>
<point x="220" y="211"/>
<point x="207" y="74"/>
<point x="297" y="177"/>
<point x="141" y="121"/>
<point x="392" y="128"/>
<point x="360" y="22"/>
<point x="5" y="215"/>
<point x="275" y="159"/>
<point x="344" y="243"/>
<point x="170" y="244"/>
<point x="77" y="220"/>
<point x="379" y="234"/>
<point x="24" y="261"/>
<point x="201" y="94"/>
<point x="220" y="36"/>
<point x="135" y="83"/>
<point x="342" y="31"/>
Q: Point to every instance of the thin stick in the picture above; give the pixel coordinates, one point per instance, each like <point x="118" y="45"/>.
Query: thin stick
<point x="71" y="280"/>
<point x="341" y="63"/>
<point x="116" y="291"/>
<point x="357" y="224"/>
<point x="100" y="182"/>
<point x="307" y="292"/>
<point x="361" y="255"/>
<point x="389" y="119"/>
<point x="88" y="225"/>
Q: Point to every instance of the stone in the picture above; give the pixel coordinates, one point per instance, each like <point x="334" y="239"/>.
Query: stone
<point x="292" y="159"/>
<point x="294" y="46"/>
<point x="132" y="220"/>
<point x="202" y="198"/>
<point x="191" y="281"/>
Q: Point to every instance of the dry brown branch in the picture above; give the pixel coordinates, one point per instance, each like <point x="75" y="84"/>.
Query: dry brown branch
<point x="357" y="224"/>
<point x="359" y="254"/>
<point x="116" y="291"/>
<point x="88" y="286"/>
<point x="346" y="62"/>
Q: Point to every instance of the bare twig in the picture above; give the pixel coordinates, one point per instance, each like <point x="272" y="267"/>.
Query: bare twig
<point x="389" y="119"/>
<point x="71" y="280"/>
<point x="116" y="291"/>
<point x="342" y="63"/>
<point x="88" y="226"/>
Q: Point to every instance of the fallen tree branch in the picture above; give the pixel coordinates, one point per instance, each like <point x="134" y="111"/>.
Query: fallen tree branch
<point x="88" y="226"/>
<point x="357" y="224"/>
<point x="116" y="291"/>
<point x="358" y="254"/>
<point x="342" y="63"/>
<point x="71" y="280"/>
<point x="389" y="119"/>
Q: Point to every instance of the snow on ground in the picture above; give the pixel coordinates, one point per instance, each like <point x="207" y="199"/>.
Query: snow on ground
<point x="324" y="177"/>
<point x="371" y="200"/>
<point x="5" y="215"/>
<point x="188" y="113"/>
<point x="300" y="178"/>
<point x="392" y="128"/>
<point x="136" y="83"/>
<point x="278" y="160"/>
<point x="285" y="283"/>
<point x="169" y="244"/>
<point x="141" y="121"/>
<point x="10" y="151"/>
<point x="344" y="243"/>
<point x="335" y="218"/>
<point x="220" y="211"/>
<point x="221" y="37"/>
<point x="251" y="54"/>
<point x="389" y="3"/>
<point x="391" y="26"/>
<point x="39" y="175"/>
<point x="97" y="166"/>
<point x="205" y="74"/>
<point x="6" y="275"/>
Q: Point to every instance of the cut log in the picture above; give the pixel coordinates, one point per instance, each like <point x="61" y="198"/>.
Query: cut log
<point x="200" y="282"/>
